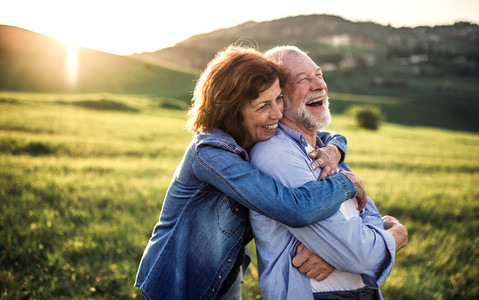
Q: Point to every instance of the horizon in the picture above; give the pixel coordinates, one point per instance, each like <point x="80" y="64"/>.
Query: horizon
<point x="127" y="27"/>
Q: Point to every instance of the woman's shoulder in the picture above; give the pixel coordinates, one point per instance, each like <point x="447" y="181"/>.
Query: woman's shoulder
<point x="217" y="138"/>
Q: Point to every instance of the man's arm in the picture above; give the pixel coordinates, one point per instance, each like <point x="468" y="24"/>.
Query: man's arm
<point x="351" y="246"/>
<point x="355" y="240"/>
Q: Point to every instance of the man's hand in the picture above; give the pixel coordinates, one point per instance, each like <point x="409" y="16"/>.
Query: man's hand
<point x="310" y="264"/>
<point x="361" y="193"/>
<point x="398" y="230"/>
<point x="327" y="158"/>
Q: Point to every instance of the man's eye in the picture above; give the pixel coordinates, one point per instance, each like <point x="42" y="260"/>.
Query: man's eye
<point x="301" y="80"/>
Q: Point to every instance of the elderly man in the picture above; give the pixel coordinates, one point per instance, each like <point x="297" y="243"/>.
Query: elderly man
<point x="361" y="246"/>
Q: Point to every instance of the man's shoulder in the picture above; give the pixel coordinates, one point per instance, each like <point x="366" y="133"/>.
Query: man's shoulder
<point x="280" y="142"/>
<point x="278" y="150"/>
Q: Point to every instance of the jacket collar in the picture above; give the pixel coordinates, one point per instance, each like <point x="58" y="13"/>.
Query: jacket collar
<point x="219" y="138"/>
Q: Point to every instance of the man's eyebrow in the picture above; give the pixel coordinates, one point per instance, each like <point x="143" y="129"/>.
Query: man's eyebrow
<point x="297" y="75"/>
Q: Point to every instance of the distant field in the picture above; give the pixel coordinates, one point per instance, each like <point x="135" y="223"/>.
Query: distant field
<point x="82" y="180"/>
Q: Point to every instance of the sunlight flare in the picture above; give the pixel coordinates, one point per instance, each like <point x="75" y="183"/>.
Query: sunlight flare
<point x="72" y="64"/>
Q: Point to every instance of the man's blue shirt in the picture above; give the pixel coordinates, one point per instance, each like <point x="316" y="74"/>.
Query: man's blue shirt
<point x="357" y="245"/>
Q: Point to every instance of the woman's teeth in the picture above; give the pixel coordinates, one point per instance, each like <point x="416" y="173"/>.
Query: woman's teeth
<point x="270" y="127"/>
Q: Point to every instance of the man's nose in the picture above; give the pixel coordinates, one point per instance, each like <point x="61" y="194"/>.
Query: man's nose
<point x="319" y="83"/>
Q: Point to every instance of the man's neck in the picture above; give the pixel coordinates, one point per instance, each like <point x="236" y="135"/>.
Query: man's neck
<point x="295" y="125"/>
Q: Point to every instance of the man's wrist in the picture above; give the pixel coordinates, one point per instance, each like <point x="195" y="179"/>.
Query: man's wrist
<point x="338" y="152"/>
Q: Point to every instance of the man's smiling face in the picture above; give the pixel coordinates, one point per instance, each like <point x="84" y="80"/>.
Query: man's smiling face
<point x="306" y="93"/>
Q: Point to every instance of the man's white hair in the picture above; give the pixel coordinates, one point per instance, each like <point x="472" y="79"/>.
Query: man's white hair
<point x="279" y="53"/>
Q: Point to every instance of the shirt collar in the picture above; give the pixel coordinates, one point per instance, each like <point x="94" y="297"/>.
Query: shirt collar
<point x="299" y="138"/>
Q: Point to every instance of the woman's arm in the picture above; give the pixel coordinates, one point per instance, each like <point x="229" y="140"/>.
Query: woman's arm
<point x="231" y="174"/>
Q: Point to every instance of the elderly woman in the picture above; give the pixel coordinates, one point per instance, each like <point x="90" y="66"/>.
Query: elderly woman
<point x="198" y="246"/>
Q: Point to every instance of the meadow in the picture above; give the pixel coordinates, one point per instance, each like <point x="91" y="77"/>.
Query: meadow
<point x="83" y="177"/>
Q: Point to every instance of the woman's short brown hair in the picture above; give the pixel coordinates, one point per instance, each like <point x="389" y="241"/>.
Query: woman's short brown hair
<point x="231" y="80"/>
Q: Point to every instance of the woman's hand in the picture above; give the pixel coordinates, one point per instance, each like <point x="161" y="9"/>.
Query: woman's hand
<point x="326" y="158"/>
<point x="361" y="193"/>
<point x="310" y="264"/>
<point x="398" y="231"/>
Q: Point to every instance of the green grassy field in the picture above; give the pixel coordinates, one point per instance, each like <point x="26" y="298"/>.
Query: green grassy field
<point x="82" y="180"/>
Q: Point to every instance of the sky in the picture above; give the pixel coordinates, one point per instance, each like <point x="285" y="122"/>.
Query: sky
<point x="136" y="26"/>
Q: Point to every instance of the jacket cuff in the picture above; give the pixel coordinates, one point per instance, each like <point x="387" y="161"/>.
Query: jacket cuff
<point x="347" y="184"/>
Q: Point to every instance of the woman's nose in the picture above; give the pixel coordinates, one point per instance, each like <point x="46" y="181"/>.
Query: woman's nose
<point x="277" y="112"/>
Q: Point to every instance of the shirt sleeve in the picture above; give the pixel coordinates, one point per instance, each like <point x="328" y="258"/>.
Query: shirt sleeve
<point x="359" y="245"/>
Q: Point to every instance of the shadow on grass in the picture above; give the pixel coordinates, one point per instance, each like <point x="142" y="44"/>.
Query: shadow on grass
<point x="10" y="146"/>
<point x="103" y="104"/>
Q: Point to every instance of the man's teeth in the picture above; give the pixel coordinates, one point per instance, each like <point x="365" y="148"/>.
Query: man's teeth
<point x="270" y="126"/>
<point x="315" y="101"/>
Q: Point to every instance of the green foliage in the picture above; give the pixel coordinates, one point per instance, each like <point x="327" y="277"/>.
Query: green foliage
<point x="82" y="187"/>
<point x="368" y="117"/>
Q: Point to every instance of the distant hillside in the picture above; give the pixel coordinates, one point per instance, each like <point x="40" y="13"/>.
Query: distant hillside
<point x="339" y="44"/>
<point x="37" y="63"/>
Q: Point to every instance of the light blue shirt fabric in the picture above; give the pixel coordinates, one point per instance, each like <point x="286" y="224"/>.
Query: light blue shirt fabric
<point x="358" y="245"/>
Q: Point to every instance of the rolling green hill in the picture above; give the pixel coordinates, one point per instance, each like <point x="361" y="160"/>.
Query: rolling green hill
<point x="31" y="62"/>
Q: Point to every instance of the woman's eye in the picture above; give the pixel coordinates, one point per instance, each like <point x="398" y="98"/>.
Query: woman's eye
<point x="263" y="107"/>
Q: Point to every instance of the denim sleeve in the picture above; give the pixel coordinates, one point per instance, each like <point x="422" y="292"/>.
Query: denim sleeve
<point x="310" y="203"/>
<point x="334" y="139"/>
<point x="358" y="245"/>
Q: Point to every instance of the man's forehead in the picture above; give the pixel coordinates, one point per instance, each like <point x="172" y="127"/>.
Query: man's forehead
<point x="298" y="65"/>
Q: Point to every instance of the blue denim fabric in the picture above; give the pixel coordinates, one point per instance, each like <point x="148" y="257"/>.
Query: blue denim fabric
<point x="204" y="219"/>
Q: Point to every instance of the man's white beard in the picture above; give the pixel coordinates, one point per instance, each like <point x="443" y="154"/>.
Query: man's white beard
<point x="308" y="120"/>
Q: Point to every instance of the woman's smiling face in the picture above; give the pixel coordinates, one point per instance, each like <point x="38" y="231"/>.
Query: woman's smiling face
<point x="261" y="116"/>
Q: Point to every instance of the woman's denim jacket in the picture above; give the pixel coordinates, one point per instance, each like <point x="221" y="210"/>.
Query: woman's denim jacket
<point x="204" y="220"/>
